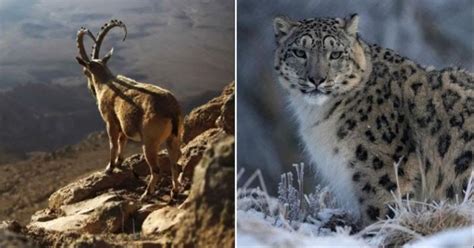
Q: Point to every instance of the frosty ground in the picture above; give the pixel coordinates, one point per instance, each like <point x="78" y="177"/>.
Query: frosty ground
<point x="295" y="218"/>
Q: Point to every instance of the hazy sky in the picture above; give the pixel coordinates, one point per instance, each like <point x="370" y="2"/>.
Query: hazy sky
<point x="184" y="45"/>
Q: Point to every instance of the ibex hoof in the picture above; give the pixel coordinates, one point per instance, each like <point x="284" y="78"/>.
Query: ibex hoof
<point x="174" y="195"/>
<point x="119" y="161"/>
<point x="184" y="205"/>
<point x="180" y="178"/>
<point x="143" y="196"/>
<point x="109" y="170"/>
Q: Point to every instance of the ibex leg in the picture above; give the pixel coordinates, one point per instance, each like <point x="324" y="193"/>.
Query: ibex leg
<point x="174" y="152"/>
<point x="122" y="142"/>
<point x="150" y="152"/>
<point x="113" y="133"/>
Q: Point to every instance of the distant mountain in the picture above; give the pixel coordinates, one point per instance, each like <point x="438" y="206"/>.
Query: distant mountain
<point x="44" y="117"/>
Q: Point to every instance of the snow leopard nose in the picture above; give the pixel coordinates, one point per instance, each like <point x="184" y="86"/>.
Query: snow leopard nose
<point x="316" y="81"/>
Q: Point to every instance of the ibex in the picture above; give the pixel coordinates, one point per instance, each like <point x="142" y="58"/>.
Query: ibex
<point x="131" y="110"/>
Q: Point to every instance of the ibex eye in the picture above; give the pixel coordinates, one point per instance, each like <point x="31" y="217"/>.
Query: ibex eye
<point x="335" y="55"/>
<point x="299" y="53"/>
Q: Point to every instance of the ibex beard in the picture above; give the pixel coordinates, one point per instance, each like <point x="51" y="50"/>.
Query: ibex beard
<point x="131" y="110"/>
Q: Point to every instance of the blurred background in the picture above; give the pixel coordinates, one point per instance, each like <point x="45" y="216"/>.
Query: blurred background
<point x="430" y="32"/>
<point x="186" y="46"/>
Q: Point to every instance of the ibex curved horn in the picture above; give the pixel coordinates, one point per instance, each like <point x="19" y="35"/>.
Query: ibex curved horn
<point x="103" y="32"/>
<point x="80" y="42"/>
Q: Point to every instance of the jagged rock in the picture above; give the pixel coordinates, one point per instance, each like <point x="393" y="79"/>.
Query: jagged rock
<point x="209" y="209"/>
<point x="47" y="238"/>
<point x="90" y="241"/>
<point x="66" y="223"/>
<point x="227" y="119"/>
<point x="204" y="117"/>
<point x="105" y="213"/>
<point x="194" y="150"/>
<point x="44" y="215"/>
<point x="208" y="212"/>
<point x="89" y="186"/>
<point x="145" y="210"/>
<point x="162" y="220"/>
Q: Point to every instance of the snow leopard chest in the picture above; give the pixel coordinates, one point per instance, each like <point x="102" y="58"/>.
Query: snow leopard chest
<point x="329" y="154"/>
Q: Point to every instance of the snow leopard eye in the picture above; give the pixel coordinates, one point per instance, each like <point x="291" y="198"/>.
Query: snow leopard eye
<point x="299" y="53"/>
<point x="335" y="55"/>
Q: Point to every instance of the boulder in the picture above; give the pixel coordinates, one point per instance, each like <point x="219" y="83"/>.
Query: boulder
<point x="208" y="212"/>
<point x="209" y="209"/>
<point x="106" y="213"/>
<point x="162" y="220"/>
<point x="226" y="120"/>
<point x="194" y="150"/>
<point x="90" y="186"/>
<point x="204" y="117"/>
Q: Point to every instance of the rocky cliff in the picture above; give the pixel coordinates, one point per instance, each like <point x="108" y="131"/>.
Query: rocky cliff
<point x="102" y="210"/>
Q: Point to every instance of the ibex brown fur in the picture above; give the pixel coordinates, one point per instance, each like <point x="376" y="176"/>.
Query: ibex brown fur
<point x="132" y="110"/>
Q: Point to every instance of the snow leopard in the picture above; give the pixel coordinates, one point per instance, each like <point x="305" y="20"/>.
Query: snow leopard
<point x="374" y="122"/>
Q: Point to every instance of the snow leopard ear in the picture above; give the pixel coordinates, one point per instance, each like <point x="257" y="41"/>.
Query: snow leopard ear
<point x="282" y="26"/>
<point x="351" y="24"/>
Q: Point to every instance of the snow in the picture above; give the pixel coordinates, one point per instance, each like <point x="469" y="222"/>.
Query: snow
<point x="253" y="230"/>
<point x="256" y="230"/>
<point x="460" y="238"/>
<point x="288" y="221"/>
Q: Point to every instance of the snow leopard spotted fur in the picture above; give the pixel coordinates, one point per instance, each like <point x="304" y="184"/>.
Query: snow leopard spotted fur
<point x="361" y="108"/>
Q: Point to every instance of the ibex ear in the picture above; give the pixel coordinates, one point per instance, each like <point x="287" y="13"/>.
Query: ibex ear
<point x="351" y="24"/>
<point x="282" y="26"/>
<point x="108" y="55"/>
<point x="81" y="61"/>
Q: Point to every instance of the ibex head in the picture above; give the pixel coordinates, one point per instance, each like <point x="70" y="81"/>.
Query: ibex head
<point x="95" y="68"/>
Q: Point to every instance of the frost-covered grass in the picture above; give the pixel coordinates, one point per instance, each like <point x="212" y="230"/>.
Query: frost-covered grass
<point x="414" y="220"/>
<point x="294" y="218"/>
<point x="293" y="208"/>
